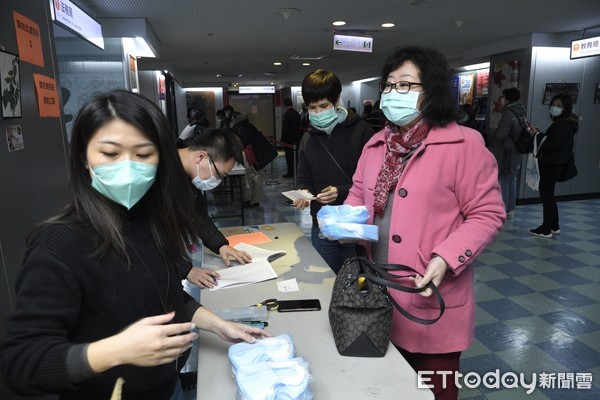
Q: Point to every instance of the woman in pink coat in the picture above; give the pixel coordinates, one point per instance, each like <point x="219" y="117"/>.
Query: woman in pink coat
<point x="432" y="188"/>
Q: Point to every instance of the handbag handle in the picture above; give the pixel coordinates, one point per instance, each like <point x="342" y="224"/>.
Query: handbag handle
<point x="383" y="270"/>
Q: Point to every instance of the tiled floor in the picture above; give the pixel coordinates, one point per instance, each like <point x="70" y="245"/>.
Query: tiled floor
<point x="538" y="300"/>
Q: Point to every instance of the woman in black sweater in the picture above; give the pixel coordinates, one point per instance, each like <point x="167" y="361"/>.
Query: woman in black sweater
<point x="99" y="296"/>
<point x="552" y="159"/>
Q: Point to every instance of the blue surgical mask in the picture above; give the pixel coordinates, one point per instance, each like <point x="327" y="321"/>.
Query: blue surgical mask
<point x="555" y="111"/>
<point x="206" y="184"/>
<point x="326" y="120"/>
<point x="124" y="182"/>
<point x="400" y="108"/>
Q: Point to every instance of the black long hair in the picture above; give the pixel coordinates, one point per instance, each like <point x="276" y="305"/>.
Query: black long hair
<point x="433" y="71"/>
<point x="169" y="201"/>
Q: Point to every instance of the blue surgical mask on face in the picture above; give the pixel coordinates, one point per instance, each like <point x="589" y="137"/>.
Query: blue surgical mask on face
<point x="325" y="120"/>
<point x="124" y="182"/>
<point x="205" y="184"/>
<point x="555" y="111"/>
<point x="400" y="108"/>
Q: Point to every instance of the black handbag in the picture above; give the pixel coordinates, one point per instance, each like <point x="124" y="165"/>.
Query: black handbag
<point x="360" y="312"/>
<point x="569" y="170"/>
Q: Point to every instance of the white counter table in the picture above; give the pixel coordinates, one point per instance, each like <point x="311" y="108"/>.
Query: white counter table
<point x="335" y="377"/>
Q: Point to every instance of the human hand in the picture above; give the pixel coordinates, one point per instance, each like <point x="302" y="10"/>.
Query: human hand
<point x="148" y="342"/>
<point x="203" y="277"/>
<point x="227" y="251"/>
<point x="301" y="204"/>
<point x="328" y="195"/>
<point x="436" y="269"/>
<point x="236" y="332"/>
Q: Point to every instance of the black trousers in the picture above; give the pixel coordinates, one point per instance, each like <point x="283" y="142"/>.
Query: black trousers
<point x="289" y="160"/>
<point x="549" y="173"/>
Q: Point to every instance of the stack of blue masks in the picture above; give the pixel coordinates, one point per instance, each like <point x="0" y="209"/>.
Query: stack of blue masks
<point x="276" y="348"/>
<point x="346" y="222"/>
<point x="275" y="380"/>
<point x="268" y="370"/>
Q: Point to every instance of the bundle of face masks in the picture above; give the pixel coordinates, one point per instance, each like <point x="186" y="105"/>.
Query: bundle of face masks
<point x="269" y="370"/>
<point x="346" y="222"/>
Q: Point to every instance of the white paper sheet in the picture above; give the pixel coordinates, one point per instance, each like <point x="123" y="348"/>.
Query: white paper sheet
<point x="246" y="274"/>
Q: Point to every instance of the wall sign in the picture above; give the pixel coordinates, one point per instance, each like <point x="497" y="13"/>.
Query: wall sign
<point x="28" y="40"/>
<point x="47" y="95"/>
<point x="68" y="15"/>
<point x="256" y="89"/>
<point x="585" y="47"/>
<point x="353" y="43"/>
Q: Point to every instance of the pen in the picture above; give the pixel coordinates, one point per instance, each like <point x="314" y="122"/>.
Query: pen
<point x="257" y="324"/>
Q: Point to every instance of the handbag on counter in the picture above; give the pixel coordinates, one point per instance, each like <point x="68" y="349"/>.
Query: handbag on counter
<point x="360" y="312"/>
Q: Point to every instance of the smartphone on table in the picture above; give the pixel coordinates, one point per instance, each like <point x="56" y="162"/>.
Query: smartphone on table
<point x="299" y="305"/>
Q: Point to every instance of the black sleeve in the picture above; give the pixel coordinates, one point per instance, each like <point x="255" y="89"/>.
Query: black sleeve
<point x="304" y="178"/>
<point x="207" y="231"/>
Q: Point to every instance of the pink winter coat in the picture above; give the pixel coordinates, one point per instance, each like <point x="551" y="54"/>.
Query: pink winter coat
<point x="447" y="202"/>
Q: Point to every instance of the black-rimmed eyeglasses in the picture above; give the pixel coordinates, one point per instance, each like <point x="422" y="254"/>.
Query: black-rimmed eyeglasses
<point x="401" y="86"/>
<point x="219" y="175"/>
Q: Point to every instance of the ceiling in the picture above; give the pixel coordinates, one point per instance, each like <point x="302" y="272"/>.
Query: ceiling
<point x="241" y="39"/>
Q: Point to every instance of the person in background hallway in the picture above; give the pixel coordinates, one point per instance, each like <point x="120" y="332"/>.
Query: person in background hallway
<point x="376" y="118"/>
<point x="304" y="121"/>
<point x="552" y="158"/>
<point x="195" y="115"/>
<point x="99" y="294"/>
<point x="432" y="189"/>
<point x="328" y="156"/>
<point x="467" y="117"/>
<point x="208" y="159"/>
<point x="502" y="145"/>
<point x="290" y="134"/>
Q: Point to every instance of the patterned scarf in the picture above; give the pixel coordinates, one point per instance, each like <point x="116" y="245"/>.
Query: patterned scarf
<point x="398" y="145"/>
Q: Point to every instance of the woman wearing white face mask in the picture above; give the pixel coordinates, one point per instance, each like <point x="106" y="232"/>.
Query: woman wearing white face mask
<point x="552" y="158"/>
<point x="209" y="158"/>
<point x="432" y="189"/>
<point x="327" y="156"/>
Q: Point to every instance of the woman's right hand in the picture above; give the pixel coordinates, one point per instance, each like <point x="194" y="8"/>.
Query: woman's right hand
<point x="148" y="342"/>
<point x="302" y="204"/>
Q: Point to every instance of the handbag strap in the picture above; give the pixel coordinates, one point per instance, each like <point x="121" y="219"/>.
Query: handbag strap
<point x="383" y="269"/>
<point x="334" y="160"/>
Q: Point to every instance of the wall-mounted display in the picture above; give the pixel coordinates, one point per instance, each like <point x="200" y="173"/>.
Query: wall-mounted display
<point x="597" y="94"/>
<point x="552" y="89"/>
<point x="10" y="85"/>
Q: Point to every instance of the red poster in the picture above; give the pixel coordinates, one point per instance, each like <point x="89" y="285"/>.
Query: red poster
<point x="47" y="95"/>
<point x="28" y="40"/>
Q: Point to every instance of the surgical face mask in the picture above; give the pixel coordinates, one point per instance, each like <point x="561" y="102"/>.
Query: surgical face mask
<point x="205" y="184"/>
<point x="400" y="108"/>
<point x="124" y="182"/>
<point x="325" y="120"/>
<point x="555" y="111"/>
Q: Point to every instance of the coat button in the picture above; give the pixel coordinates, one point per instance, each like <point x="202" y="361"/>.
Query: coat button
<point x="461" y="259"/>
<point x="468" y="253"/>
<point x="402" y="192"/>
<point x="396" y="238"/>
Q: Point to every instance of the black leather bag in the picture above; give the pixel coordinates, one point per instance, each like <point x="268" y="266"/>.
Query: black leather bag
<point x="569" y="171"/>
<point x="524" y="140"/>
<point x="360" y="312"/>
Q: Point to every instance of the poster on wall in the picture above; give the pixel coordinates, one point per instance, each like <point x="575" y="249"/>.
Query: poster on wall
<point x="466" y="89"/>
<point x="10" y="86"/>
<point x="552" y="89"/>
<point x="14" y="138"/>
<point x="47" y="96"/>
<point x="482" y="79"/>
<point x="133" y="74"/>
<point x="504" y="75"/>
<point x="205" y="101"/>
<point x="28" y="40"/>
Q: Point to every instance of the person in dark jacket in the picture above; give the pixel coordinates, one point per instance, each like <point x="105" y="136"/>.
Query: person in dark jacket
<point x="207" y="160"/>
<point x="328" y="157"/>
<point x="552" y="158"/>
<point x="502" y="144"/>
<point x="290" y="134"/>
<point x="99" y="294"/>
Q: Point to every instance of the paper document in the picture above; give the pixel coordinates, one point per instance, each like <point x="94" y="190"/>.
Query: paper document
<point x="246" y="274"/>
<point x="259" y="254"/>
<point x="254" y="238"/>
<point x="298" y="195"/>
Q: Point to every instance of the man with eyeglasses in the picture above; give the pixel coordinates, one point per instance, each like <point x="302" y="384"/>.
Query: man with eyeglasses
<point x="208" y="159"/>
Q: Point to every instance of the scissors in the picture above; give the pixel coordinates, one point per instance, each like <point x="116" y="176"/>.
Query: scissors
<point x="271" y="304"/>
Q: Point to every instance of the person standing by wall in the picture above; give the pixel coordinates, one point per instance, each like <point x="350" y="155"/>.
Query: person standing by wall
<point x="99" y="295"/>
<point x="552" y="158"/>
<point x="328" y="156"/>
<point x="290" y="135"/>
<point x="432" y="189"/>
<point x="502" y="145"/>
